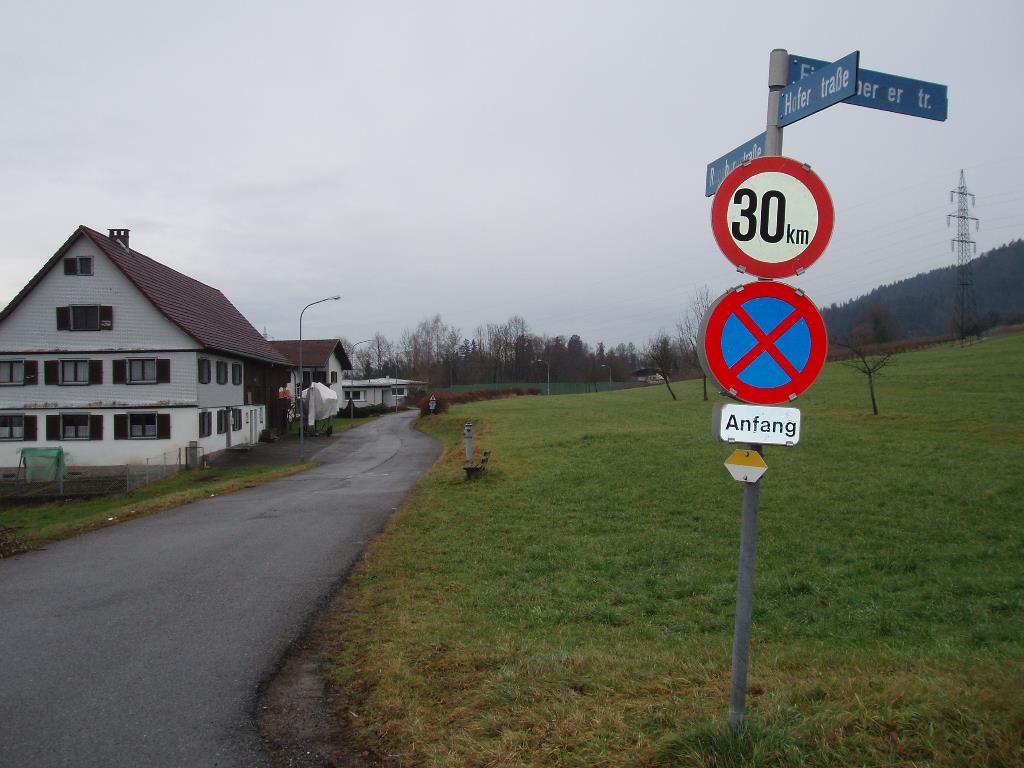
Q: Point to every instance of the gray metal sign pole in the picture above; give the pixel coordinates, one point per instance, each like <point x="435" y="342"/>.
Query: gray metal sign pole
<point x="744" y="601"/>
<point x="778" y="75"/>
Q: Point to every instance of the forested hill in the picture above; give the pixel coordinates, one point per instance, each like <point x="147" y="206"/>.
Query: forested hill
<point x="923" y="305"/>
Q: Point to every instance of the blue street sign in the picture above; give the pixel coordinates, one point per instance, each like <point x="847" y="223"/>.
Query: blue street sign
<point x="881" y="91"/>
<point x="822" y="88"/>
<point x="721" y="167"/>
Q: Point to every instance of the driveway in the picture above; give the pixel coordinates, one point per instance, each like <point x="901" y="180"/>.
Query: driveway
<point x="144" y="644"/>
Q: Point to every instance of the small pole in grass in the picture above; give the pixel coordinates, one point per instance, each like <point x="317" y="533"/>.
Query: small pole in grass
<point x="467" y="432"/>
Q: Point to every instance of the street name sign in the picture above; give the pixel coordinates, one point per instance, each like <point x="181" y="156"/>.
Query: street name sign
<point x="821" y="88"/>
<point x="735" y="423"/>
<point x="746" y="466"/>
<point x="724" y="165"/>
<point x="772" y="217"/>
<point x="878" y="90"/>
<point x="763" y="343"/>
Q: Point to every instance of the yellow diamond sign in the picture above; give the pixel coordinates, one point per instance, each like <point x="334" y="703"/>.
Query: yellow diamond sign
<point x="746" y="466"/>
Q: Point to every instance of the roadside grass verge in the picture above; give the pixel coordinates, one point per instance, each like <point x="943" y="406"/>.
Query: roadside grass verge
<point x="574" y="606"/>
<point x="38" y="524"/>
<point x="339" y="423"/>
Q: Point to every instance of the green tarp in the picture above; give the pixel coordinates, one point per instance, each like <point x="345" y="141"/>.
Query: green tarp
<point x="43" y="464"/>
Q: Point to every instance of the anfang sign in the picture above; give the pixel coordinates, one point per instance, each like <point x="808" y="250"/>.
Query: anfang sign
<point x="772" y="217"/>
<point x="756" y="424"/>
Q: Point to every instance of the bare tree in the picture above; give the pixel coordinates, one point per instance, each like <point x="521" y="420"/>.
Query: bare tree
<point x="661" y="356"/>
<point x="688" y="331"/>
<point x="866" y="361"/>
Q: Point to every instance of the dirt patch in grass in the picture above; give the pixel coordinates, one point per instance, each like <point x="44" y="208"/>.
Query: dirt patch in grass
<point x="11" y="543"/>
<point x="299" y="717"/>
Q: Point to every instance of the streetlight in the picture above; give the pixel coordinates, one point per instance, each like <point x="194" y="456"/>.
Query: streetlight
<point x="549" y="372"/>
<point x="302" y="404"/>
<point x="351" y="404"/>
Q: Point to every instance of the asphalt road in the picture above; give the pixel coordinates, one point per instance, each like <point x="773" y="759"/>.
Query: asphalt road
<point x="145" y="644"/>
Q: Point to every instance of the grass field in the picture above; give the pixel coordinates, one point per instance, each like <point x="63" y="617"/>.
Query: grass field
<point x="37" y="524"/>
<point x="574" y="607"/>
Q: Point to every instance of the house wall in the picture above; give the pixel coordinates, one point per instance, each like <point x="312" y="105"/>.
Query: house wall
<point x="184" y="427"/>
<point x="181" y="390"/>
<point x="214" y="395"/>
<point x="138" y="330"/>
<point x="137" y="324"/>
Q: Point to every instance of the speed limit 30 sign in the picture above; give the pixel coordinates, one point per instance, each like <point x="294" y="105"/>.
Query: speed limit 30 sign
<point x="772" y="217"/>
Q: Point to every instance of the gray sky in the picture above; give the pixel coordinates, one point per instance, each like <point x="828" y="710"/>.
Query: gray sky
<point x="483" y="159"/>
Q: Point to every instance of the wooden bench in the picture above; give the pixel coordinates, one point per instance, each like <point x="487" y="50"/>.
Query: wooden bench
<point x="474" y="471"/>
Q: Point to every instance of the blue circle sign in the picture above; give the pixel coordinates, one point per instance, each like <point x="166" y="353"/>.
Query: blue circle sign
<point x="763" y="343"/>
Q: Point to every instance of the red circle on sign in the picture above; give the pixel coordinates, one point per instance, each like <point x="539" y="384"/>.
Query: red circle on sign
<point x="764" y="343"/>
<point x="744" y="259"/>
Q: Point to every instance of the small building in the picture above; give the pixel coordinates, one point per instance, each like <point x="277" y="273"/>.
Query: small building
<point x="323" y="360"/>
<point x="366" y="392"/>
<point x="119" y="359"/>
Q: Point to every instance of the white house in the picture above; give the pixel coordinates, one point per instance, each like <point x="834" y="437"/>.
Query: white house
<point x="323" y="360"/>
<point x="119" y="359"/>
<point x="366" y="392"/>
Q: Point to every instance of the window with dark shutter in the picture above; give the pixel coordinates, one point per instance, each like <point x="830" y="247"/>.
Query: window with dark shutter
<point x="52" y="427"/>
<point x="12" y="426"/>
<point x="236" y="373"/>
<point x="63" y="318"/>
<point x="106" y="318"/>
<point x="30" y="427"/>
<point x="12" y="372"/>
<point x="86" y="317"/>
<point x="95" y="371"/>
<point x="117" y="370"/>
<point x="78" y="265"/>
<point x="120" y="426"/>
<point x="163" y="370"/>
<point x="31" y="372"/>
<point x="222" y="372"/>
<point x="96" y="427"/>
<point x="76" y="426"/>
<point x="163" y="426"/>
<point x="221" y="426"/>
<point x="142" y="371"/>
<point x="51" y="371"/>
<point x="142" y="426"/>
<point x="204" y="370"/>
<point x="75" y="372"/>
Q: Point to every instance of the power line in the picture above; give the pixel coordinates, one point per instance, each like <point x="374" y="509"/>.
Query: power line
<point x="965" y="319"/>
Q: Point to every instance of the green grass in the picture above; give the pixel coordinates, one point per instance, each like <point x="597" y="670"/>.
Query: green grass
<point x="557" y="387"/>
<point x="574" y="607"/>
<point x="37" y="524"/>
<point x="338" y="424"/>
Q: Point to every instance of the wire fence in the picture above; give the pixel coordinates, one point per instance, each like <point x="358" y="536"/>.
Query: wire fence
<point x="83" y="481"/>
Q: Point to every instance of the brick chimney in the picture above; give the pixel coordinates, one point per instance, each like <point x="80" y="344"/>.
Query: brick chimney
<point x="120" y="235"/>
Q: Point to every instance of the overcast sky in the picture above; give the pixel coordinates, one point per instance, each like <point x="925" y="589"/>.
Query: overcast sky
<point x="483" y="159"/>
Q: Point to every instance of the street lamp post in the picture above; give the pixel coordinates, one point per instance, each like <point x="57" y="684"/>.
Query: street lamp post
<point x="302" y="405"/>
<point x="549" y="372"/>
<point x="351" y="403"/>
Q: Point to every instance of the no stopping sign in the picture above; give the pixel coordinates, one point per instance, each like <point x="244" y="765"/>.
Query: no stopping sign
<point x="772" y="217"/>
<point x="763" y="343"/>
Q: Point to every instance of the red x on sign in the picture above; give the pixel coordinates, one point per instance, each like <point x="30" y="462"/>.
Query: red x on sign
<point x="764" y="343"/>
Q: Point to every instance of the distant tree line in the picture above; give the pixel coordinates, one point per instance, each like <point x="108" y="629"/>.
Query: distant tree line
<point x="494" y="353"/>
<point x="509" y="352"/>
<point x="922" y="306"/>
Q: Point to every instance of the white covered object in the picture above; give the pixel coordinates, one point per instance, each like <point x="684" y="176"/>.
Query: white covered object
<point x="320" y="402"/>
